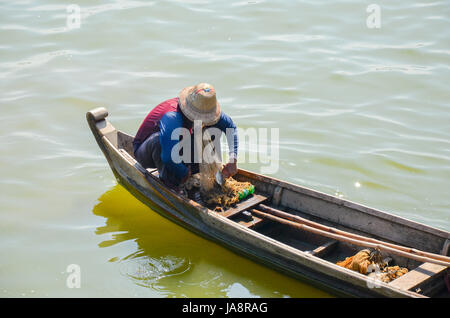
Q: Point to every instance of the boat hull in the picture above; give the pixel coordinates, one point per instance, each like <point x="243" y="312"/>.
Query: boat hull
<point x="147" y="188"/>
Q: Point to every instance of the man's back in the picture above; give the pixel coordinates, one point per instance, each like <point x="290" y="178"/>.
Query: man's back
<point x="150" y="124"/>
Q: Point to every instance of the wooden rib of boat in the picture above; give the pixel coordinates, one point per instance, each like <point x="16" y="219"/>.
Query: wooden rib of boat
<point x="309" y="256"/>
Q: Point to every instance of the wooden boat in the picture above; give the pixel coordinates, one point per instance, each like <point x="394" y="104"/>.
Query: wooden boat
<point x="307" y="255"/>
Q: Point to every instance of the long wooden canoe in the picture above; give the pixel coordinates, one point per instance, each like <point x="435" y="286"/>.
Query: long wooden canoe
<point x="309" y="256"/>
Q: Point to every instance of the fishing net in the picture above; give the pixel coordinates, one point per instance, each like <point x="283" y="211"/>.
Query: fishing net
<point x="218" y="196"/>
<point x="212" y="193"/>
<point x="361" y="261"/>
<point x="210" y="163"/>
<point x="392" y="272"/>
<point x="358" y="262"/>
<point x="226" y="195"/>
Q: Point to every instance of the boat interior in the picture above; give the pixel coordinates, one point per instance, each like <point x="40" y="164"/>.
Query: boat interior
<point x="423" y="278"/>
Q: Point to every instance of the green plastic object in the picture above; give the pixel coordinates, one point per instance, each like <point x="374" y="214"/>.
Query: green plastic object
<point x="246" y="192"/>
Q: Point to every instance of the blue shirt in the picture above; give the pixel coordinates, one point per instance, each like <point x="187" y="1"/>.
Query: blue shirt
<point x="173" y="120"/>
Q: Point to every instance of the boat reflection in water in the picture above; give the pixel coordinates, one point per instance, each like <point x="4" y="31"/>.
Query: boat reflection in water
<point x="173" y="262"/>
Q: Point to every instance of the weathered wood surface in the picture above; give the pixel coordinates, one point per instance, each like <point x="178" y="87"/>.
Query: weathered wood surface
<point x="351" y="215"/>
<point x="244" y="205"/>
<point x="346" y="239"/>
<point x="316" y="225"/>
<point x="251" y="224"/>
<point x="324" y="249"/>
<point x="419" y="276"/>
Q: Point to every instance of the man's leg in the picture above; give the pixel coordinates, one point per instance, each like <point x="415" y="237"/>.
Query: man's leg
<point x="149" y="152"/>
<point x="149" y="156"/>
<point x="193" y="165"/>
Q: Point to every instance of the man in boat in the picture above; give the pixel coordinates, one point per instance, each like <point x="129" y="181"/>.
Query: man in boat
<point x="153" y="143"/>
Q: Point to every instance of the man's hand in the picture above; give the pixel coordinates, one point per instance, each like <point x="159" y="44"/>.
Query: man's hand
<point x="230" y="169"/>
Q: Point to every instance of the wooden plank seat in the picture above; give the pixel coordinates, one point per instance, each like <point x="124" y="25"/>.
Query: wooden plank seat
<point x="324" y="249"/>
<point x="251" y="224"/>
<point x="422" y="278"/>
<point x="246" y="204"/>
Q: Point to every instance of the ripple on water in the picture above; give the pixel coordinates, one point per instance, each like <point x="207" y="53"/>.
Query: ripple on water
<point x="147" y="271"/>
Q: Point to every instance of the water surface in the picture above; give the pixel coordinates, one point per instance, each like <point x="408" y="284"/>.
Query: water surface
<point x="363" y="114"/>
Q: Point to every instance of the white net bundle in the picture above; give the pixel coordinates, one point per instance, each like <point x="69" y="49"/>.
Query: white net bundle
<point x="210" y="163"/>
<point x="213" y="194"/>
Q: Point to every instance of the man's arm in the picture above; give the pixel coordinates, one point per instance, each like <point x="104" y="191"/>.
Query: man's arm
<point x="227" y="125"/>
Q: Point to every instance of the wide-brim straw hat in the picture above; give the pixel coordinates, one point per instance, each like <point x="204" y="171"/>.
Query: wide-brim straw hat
<point x="199" y="103"/>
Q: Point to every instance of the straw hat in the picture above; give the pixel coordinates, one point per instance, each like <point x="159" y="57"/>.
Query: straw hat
<point x="199" y="103"/>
